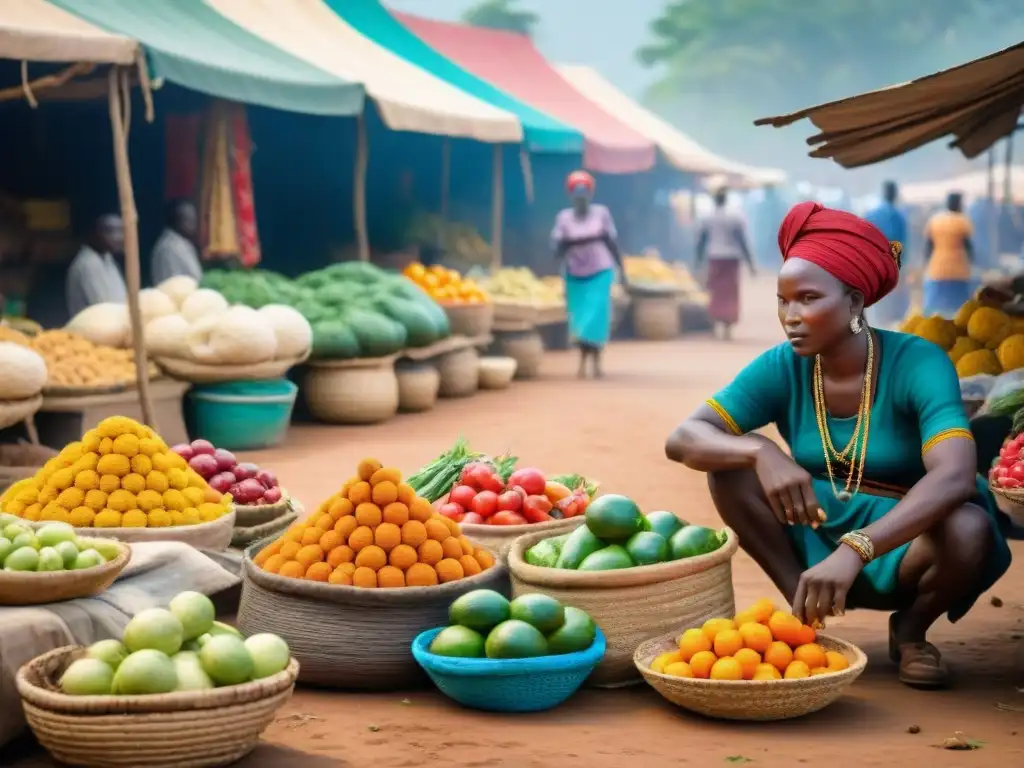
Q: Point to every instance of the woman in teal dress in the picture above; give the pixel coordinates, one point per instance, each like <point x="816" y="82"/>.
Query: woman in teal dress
<point x="879" y="504"/>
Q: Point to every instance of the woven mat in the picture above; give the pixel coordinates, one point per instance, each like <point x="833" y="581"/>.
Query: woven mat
<point x="157" y="572"/>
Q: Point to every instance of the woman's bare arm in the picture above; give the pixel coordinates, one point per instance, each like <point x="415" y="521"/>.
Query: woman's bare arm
<point x="705" y="443"/>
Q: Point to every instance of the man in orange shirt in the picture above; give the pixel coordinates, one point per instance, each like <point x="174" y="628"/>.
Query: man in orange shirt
<point x="949" y="259"/>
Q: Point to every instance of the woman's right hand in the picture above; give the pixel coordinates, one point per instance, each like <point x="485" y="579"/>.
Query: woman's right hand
<point x="787" y="486"/>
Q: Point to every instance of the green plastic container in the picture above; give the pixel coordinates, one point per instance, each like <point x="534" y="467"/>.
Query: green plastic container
<point x="242" y="415"/>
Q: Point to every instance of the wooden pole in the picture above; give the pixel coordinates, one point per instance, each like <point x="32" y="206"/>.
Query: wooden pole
<point x="497" y="207"/>
<point x="118" y="80"/>
<point x="446" y="176"/>
<point x="359" y="191"/>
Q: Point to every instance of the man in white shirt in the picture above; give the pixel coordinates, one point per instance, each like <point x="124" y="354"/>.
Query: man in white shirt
<point x="94" y="276"/>
<point x="722" y="242"/>
<point x="175" y="252"/>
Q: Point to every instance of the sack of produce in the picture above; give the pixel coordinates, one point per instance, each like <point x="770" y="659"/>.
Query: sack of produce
<point x="22" y="372"/>
<point x="121" y="478"/>
<point x="76" y="365"/>
<point x="352" y="585"/>
<point x="21" y="460"/>
<point x="176" y="665"/>
<point x="639" y="576"/>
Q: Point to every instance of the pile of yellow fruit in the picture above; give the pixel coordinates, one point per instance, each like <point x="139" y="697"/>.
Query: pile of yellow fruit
<point x="519" y="284"/>
<point x="375" y="532"/>
<point x="72" y="361"/>
<point x="980" y="339"/>
<point x="446" y="286"/>
<point x="760" y="643"/>
<point x="119" y="475"/>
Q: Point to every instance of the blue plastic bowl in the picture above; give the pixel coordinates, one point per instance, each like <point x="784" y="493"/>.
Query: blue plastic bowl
<point x="243" y="415"/>
<point x="508" y="685"/>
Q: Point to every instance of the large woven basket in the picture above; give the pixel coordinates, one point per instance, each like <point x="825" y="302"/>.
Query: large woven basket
<point x="242" y="537"/>
<point x="656" y="316"/>
<point x="526" y="348"/>
<point x="191" y="729"/>
<point x="499" y="538"/>
<point x="459" y="373"/>
<point x="16" y="411"/>
<point x="248" y="515"/>
<point x="350" y="637"/>
<point x="635" y="604"/>
<point x="31" y="588"/>
<point x="1010" y="501"/>
<point x="470" y="319"/>
<point x="215" y="535"/>
<point x="751" y="699"/>
<point x="418" y="385"/>
<point x="197" y="373"/>
<point x="352" y="391"/>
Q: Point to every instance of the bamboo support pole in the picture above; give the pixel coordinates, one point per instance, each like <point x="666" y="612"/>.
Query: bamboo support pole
<point x="359" y="188"/>
<point x="497" y="207"/>
<point x="118" y="86"/>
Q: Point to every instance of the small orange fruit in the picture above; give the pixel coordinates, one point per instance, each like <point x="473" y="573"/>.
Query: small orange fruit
<point x="811" y="654"/>
<point x="727" y="643"/>
<point x="470" y="566"/>
<point x="371" y="557"/>
<point x="805" y="635"/>
<point x="341" y="508"/>
<point x="485" y="558"/>
<point x="340" y="577"/>
<point x="387" y="536"/>
<point x="763" y="609"/>
<point x="319" y="572"/>
<point x="678" y="669"/>
<point x="821" y="671"/>
<point x="701" y="664"/>
<point x="396" y="513"/>
<point x="267" y="551"/>
<point x="766" y="672"/>
<point x="414" y="533"/>
<point x="345" y="526"/>
<point x="330" y="540"/>
<point x="360" y="493"/>
<point x="796" y="670"/>
<point x="403" y="556"/>
<point x="365" y="578"/>
<point x="755" y="636"/>
<point x="467" y="545"/>
<point x="662" y="660"/>
<point x="785" y="627"/>
<point x="273" y="563"/>
<point x="420" y="509"/>
<point x="746" y="617"/>
<point x="311" y="536"/>
<point x="406" y="495"/>
<point x="308" y="555"/>
<point x="749" y="660"/>
<point x="325" y="522"/>
<point x="290" y="549"/>
<point x="437" y="530"/>
<point x="713" y="626"/>
<point x="727" y="668"/>
<point x="292" y="570"/>
<point x="430" y="552"/>
<point x="420" y="575"/>
<point x="339" y="555"/>
<point x="693" y="641"/>
<point x="449" y="570"/>
<point x="366" y="468"/>
<point x="360" y="537"/>
<point x="779" y="655"/>
<point x="386" y="475"/>
<point x="390" y="577"/>
<point x="369" y="514"/>
<point x="452" y="547"/>
<point x="384" y="493"/>
<point x="836" y="661"/>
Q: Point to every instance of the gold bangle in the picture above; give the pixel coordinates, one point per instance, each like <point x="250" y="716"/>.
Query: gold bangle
<point x="860" y="543"/>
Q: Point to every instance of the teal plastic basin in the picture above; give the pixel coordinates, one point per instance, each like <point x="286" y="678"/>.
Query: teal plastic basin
<point x="242" y="415"/>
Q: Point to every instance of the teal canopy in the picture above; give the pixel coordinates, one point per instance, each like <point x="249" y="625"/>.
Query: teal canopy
<point x="188" y="43"/>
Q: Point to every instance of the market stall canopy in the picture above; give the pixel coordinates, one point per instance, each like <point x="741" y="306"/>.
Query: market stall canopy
<point x="190" y="44"/>
<point x="35" y="30"/>
<point x="510" y="61"/>
<point x="978" y="103"/>
<point x="409" y="98"/>
<point x="542" y="133"/>
<point x="973" y="185"/>
<point x="679" y="149"/>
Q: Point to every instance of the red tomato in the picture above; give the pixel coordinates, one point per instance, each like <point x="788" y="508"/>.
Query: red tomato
<point x="452" y="510"/>
<point x="480" y="477"/>
<point x="473" y="470"/>
<point x="511" y="500"/>
<point x="568" y="506"/>
<point x="507" y="518"/>
<point x="1016" y="472"/>
<point x="1010" y="482"/>
<point x="485" y="504"/>
<point x="493" y="482"/>
<point x="472" y="517"/>
<point x="998" y="473"/>
<point x="530" y="480"/>
<point x="462" y="495"/>
<point x="536" y="509"/>
<point x="1006" y="453"/>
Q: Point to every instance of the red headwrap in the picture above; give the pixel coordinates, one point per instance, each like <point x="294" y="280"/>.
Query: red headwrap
<point x="579" y="179"/>
<point x="849" y="248"/>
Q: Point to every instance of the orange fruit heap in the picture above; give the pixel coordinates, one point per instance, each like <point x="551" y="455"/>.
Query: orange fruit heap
<point x="375" y="532"/>
<point x="760" y="643"/>
<point x="446" y="285"/>
<point x="119" y="475"/>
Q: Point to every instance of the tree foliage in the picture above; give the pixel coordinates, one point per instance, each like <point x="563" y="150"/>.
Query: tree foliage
<point x="502" y="14"/>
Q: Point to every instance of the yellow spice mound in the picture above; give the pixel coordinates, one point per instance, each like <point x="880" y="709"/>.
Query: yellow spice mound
<point x="120" y="475"/>
<point x="76" y="362"/>
<point x="375" y="532"/>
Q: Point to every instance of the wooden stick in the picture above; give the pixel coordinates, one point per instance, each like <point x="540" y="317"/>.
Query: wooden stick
<point x="497" y="207"/>
<point x="47" y="81"/>
<point x="359" y="188"/>
<point x="118" y="84"/>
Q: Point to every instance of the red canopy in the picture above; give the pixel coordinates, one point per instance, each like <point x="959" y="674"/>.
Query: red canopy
<point x="509" y="61"/>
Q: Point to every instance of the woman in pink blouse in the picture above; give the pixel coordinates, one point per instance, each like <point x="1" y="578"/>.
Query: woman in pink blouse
<point x="585" y="236"/>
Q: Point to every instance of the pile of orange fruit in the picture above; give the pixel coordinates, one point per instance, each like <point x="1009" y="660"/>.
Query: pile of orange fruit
<point x="375" y="532"/>
<point x="761" y="643"/>
<point x="446" y="286"/>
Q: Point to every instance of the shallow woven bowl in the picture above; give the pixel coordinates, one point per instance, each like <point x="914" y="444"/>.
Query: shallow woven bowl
<point x="497" y="372"/>
<point x="1010" y="501"/>
<point x="750" y="699"/>
<point x="190" y="729"/>
<point x="508" y="685"/>
<point x="31" y="588"/>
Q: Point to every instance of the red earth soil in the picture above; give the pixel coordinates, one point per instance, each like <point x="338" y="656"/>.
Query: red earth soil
<point x="614" y="430"/>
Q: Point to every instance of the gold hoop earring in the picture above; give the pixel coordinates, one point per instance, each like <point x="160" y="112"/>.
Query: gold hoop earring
<point x="855" y="325"/>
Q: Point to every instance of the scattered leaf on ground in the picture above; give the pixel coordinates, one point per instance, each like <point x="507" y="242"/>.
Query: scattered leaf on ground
<point x="960" y="742"/>
<point x="297" y="720"/>
<point x="738" y="759"/>
<point x="914" y="729"/>
<point x="374" y="728"/>
<point x="406" y="702"/>
<point x="997" y="602"/>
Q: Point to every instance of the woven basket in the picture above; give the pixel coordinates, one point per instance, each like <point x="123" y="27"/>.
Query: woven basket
<point x="349" y="637"/>
<point x="751" y="699"/>
<point x="16" y="411"/>
<point x="634" y="604"/>
<point x="242" y="537"/>
<point x="656" y="317"/>
<point x="1010" y="501"/>
<point x="247" y="515"/>
<point x="418" y="385"/>
<point x="191" y="729"/>
<point x="215" y="535"/>
<point x="526" y="348"/>
<point x="497" y="372"/>
<point x="499" y="538"/>
<point x="196" y="373"/>
<point x="31" y="588"/>
<point x="68" y="391"/>
<point x="353" y="391"/>
<point x="459" y="373"/>
<point x="470" y="319"/>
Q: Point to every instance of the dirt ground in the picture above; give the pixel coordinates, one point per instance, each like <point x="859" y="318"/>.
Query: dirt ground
<point x="614" y="430"/>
